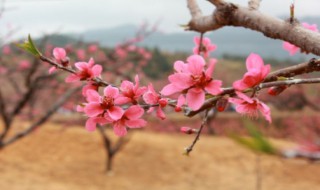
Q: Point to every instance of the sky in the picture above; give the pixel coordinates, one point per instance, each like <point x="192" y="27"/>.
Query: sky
<point x="49" y="16"/>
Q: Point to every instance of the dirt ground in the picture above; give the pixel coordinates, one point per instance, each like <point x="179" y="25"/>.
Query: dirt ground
<point x="73" y="159"/>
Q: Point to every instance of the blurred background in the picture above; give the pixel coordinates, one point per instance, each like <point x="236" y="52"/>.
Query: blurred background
<point x="44" y="144"/>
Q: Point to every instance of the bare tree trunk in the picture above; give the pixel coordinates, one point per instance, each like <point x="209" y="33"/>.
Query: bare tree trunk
<point x="110" y="150"/>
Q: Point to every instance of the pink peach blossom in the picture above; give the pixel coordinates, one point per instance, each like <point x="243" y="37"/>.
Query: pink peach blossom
<point x="24" y="64"/>
<point x="59" y="54"/>
<point x="92" y="48"/>
<point x="312" y="27"/>
<point x="85" y="71"/>
<point x="292" y="49"/>
<point x="256" y="73"/>
<point x="206" y="48"/>
<point x="153" y="98"/>
<point x="6" y="50"/>
<point x="131" y="92"/>
<point x="192" y="77"/>
<point x="121" y="53"/>
<point x="188" y="130"/>
<point x="81" y="54"/>
<point x="98" y="105"/>
<point x="250" y="106"/>
<point x="130" y="119"/>
<point x="61" y="57"/>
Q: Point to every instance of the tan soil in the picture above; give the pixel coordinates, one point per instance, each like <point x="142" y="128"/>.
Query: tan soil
<point x="73" y="159"/>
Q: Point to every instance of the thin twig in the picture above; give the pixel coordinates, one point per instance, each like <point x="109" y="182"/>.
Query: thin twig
<point x="200" y="45"/>
<point x="204" y="122"/>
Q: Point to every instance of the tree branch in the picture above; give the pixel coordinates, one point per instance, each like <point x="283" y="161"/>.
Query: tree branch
<point x="229" y="14"/>
<point x="28" y="95"/>
<point x="43" y="119"/>
<point x="3" y="111"/>
<point x="195" y="11"/>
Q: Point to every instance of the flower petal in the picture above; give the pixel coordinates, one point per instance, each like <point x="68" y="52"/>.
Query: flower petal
<point x="240" y="85"/>
<point x="265" y="111"/>
<point x="59" y="53"/>
<point x="115" y="112"/>
<point x="81" y="65"/>
<point x="96" y="70"/>
<point x="210" y="68"/>
<point x="195" y="98"/>
<point x="169" y="90"/>
<point x="244" y="97"/>
<point x="195" y="64"/>
<point x="180" y="66"/>
<point x="214" y="87"/>
<point x="134" y="112"/>
<point x="111" y="92"/>
<point x="122" y="100"/>
<point x="119" y="129"/>
<point x="136" y="123"/>
<point x="160" y="113"/>
<point x="93" y="96"/>
<point x="254" y="61"/>
<point x="93" y="109"/>
<point x="72" y="78"/>
<point x="181" y="80"/>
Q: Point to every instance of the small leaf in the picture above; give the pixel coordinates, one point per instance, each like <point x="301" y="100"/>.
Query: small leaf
<point x="30" y="47"/>
<point x="256" y="142"/>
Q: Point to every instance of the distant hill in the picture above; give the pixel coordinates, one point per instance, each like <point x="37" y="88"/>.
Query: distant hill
<point x="230" y="41"/>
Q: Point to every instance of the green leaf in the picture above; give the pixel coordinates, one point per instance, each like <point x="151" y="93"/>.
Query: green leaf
<point x="30" y="47"/>
<point x="256" y="142"/>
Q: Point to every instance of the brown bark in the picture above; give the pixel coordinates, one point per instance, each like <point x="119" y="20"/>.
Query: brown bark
<point x="229" y="14"/>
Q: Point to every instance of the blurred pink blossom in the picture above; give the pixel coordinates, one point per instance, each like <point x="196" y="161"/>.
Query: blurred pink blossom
<point x="256" y="73"/>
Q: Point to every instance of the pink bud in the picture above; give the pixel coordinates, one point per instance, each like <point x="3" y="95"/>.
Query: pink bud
<point x="188" y="130"/>
<point x="65" y="62"/>
<point x="221" y="105"/>
<point x="276" y="90"/>
<point x="163" y="102"/>
<point x="177" y="109"/>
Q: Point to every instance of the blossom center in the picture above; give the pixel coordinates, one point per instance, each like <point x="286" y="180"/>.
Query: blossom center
<point x="84" y="74"/>
<point x="200" y="80"/>
<point x="107" y="102"/>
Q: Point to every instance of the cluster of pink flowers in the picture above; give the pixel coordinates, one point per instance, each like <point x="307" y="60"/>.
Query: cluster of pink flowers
<point x="292" y="49"/>
<point x="107" y="109"/>
<point x="86" y="71"/>
<point x="205" y="46"/>
<point x="256" y="73"/>
<point x="192" y="82"/>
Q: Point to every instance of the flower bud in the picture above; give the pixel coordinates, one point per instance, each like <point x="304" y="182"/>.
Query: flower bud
<point x="188" y="130"/>
<point x="276" y="90"/>
<point x="221" y="105"/>
<point x="163" y="102"/>
<point x="65" y="61"/>
<point x="177" y="109"/>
